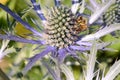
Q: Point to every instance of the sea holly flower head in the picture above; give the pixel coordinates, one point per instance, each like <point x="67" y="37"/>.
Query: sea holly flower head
<point x="62" y="28"/>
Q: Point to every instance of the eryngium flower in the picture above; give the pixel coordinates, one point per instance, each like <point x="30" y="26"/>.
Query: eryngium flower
<point x="113" y="14"/>
<point x="61" y="31"/>
<point x="60" y="26"/>
<point x="63" y="27"/>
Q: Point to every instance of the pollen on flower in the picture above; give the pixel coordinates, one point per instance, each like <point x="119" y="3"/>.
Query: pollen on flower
<point x="62" y="28"/>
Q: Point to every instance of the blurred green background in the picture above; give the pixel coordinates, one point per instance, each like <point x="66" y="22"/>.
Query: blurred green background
<point x="15" y="62"/>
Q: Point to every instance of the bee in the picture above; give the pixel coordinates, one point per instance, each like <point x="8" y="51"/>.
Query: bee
<point x="80" y="24"/>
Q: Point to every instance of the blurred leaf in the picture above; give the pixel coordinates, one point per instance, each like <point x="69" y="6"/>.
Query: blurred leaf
<point x="115" y="46"/>
<point x="4" y="1"/>
<point x="3" y="75"/>
<point x="21" y="30"/>
<point x="77" y="72"/>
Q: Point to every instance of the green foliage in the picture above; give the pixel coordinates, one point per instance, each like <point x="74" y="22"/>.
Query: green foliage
<point x="17" y="60"/>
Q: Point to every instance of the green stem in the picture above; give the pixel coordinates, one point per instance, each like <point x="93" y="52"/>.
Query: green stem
<point x="3" y="75"/>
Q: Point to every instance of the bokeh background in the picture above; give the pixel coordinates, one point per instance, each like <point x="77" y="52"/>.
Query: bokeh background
<point x="13" y="63"/>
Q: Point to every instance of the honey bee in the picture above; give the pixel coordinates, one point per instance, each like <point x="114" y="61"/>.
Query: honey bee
<point x="80" y="24"/>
